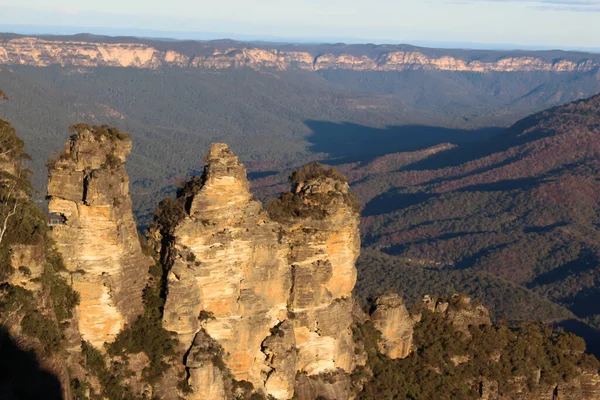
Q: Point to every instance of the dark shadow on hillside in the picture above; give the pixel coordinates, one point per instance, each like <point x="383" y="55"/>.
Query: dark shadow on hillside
<point x="392" y="200"/>
<point x="469" y="151"/>
<point x="348" y="142"/>
<point x="585" y="303"/>
<point x="261" y="174"/>
<point x="505" y="185"/>
<point x="574" y="267"/>
<point x="21" y="376"/>
<point x="470" y="261"/>
<point x="589" y="334"/>
<point x="544" y="229"/>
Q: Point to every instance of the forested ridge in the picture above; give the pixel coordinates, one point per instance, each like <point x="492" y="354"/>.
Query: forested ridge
<point x="514" y="221"/>
<point x="449" y="359"/>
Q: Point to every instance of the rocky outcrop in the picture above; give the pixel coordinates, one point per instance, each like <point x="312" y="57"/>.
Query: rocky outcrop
<point x="394" y="322"/>
<point x="205" y="369"/>
<point x="333" y="386"/>
<point x="27" y="262"/>
<point x="45" y="52"/>
<point x="272" y="289"/>
<point x="94" y="230"/>
<point x="280" y="349"/>
<point x="585" y="385"/>
<point x="460" y="310"/>
<point x="321" y="229"/>
<point x="229" y="274"/>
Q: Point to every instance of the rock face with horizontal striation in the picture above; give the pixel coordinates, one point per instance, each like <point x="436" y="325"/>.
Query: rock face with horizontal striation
<point x="321" y="228"/>
<point x="133" y="54"/>
<point x="94" y="230"/>
<point x="229" y="273"/>
<point x="271" y="288"/>
<point x="394" y="322"/>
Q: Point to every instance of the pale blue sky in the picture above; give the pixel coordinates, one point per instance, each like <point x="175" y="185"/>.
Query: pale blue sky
<point x="554" y="23"/>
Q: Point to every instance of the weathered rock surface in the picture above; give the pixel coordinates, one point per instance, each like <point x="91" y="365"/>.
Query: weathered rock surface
<point x="44" y="52"/>
<point x="324" y="245"/>
<point x="394" y="322"/>
<point x="280" y="349"/>
<point x="28" y="265"/>
<point x="276" y="296"/>
<point x="585" y="386"/>
<point x="89" y="188"/>
<point x="229" y="263"/>
<point x="206" y="377"/>
<point x="331" y="386"/>
<point x="460" y="310"/>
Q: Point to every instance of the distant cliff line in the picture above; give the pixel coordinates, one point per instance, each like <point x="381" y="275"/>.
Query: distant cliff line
<point x="43" y="52"/>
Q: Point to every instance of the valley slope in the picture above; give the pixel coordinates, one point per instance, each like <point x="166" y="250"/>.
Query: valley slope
<point x="278" y="105"/>
<point x="513" y="221"/>
<point x="453" y="202"/>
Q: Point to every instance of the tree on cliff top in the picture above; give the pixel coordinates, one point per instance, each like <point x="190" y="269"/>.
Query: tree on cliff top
<point x="13" y="175"/>
<point x="98" y="131"/>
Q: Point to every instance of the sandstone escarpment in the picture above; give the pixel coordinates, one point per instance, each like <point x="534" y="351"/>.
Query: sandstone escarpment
<point x="229" y="274"/>
<point x="94" y="230"/>
<point x="45" y="52"/>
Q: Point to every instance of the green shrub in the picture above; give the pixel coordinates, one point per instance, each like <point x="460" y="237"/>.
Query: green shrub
<point x="314" y="171"/>
<point x="168" y="214"/>
<point x="206" y="315"/>
<point x="64" y="298"/>
<point x="79" y="389"/>
<point x="146" y="334"/>
<point x="112" y="161"/>
<point x="110" y="376"/>
<point x="36" y="325"/>
<point x="99" y="131"/>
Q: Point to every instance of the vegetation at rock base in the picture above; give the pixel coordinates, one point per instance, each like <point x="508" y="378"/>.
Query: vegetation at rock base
<point x="146" y="334"/>
<point x="447" y="364"/>
<point x="43" y="314"/>
<point x="111" y="374"/>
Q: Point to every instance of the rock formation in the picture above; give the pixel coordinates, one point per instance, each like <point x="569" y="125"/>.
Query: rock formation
<point x="394" y="322"/>
<point x="94" y="230"/>
<point x="45" y="52"/>
<point x="460" y="310"/>
<point x="324" y="244"/>
<point x="229" y="274"/>
<point x="275" y="295"/>
<point x="260" y="299"/>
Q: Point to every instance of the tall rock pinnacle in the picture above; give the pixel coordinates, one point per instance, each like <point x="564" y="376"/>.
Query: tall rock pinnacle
<point x="229" y="277"/>
<point x="94" y="230"/>
<point x="271" y="289"/>
<point x="320" y="220"/>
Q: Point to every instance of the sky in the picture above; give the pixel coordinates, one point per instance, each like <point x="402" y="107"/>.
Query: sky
<point x="564" y="24"/>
